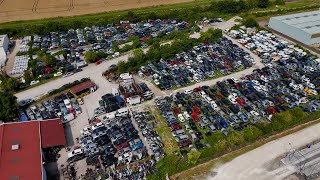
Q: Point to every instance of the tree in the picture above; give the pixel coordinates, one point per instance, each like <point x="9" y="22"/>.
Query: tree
<point x="251" y="133"/>
<point x="263" y="3"/>
<point x="122" y="67"/>
<point x="279" y="2"/>
<point x="28" y="76"/>
<point x="211" y="35"/>
<point x="91" y="56"/>
<point x="193" y="157"/>
<point x="8" y="83"/>
<point x="250" y="21"/>
<point x="8" y="106"/>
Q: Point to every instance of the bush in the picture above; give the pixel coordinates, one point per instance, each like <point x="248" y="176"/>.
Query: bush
<point x="250" y="21"/>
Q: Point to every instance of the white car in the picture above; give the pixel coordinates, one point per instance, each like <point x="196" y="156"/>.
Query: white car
<point x="314" y="92"/>
<point x="57" y="74"/>
<point x="181" y="118"/>
<point x="303" y="100"/>
<point x="254" y="113"/>
<point x="34" y="82"/>
<point x="310" y="85"/>
<point x="86" y="131"/>
<point x="235" y="80"/>
<point x="188" y="91"/>
<point x="214" y="105"/>
<point x="186" y="115"/>
<point x="68" y="74"/>
<point x="75" y="153"/>
<point x="232" y="99"/>
<point x="100" y="124"/>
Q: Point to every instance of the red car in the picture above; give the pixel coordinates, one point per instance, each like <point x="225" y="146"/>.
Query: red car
<point x="98" y="62"/>
<point x="236" y="86"/>
<point x="271" y="110"/>
<point x="176" y="111"/>
<point x="279" y="100"/>
<point x="121" y="146"/>
<point x="196" y="109"/>
<point x="218" y="95"/>
<point x="240" y="101"/>
<point x="175" y="127"/>
<point x="197" y="89"/>
<point x="184" y="143"/>
<point x="195" y="117"/>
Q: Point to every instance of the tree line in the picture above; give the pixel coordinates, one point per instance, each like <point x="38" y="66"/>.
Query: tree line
<point x="166" y="51"/>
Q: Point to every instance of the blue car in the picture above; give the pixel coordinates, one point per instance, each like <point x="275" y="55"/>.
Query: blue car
<point x="136" y="144"/>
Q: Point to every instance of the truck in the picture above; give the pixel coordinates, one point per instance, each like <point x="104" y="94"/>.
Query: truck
<point x="120" y="101"/>
<point x="133" y="100"/>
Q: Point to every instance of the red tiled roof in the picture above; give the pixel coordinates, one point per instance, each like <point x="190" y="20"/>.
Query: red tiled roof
<point x="24" y="163"/>
<point x="52" y="133"/>
<point x="82" y="86"/>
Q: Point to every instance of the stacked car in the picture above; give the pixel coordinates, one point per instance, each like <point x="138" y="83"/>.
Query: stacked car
<point x="289" y="80"/>
<point x="63" y="106"/>
<point x="145" y="122"/>
<point x="198" y="64"/>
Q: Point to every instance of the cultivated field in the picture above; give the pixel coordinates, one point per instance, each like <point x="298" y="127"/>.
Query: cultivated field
<point x="16" y="10"/>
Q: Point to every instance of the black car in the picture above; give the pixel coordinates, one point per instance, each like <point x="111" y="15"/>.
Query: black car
<point x="184" y="152"/>
<point x="108" y="160"/>
<point x="198" y="145"/>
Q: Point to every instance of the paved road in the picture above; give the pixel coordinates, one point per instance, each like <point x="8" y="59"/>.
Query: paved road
<point x="253" y="165"/>
<point x="91" y="71"/>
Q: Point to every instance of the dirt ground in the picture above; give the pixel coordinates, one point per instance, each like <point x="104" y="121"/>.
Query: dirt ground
<point x="16" y="10"/>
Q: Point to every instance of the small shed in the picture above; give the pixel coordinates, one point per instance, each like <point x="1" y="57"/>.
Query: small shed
<point x="83" y="89"/>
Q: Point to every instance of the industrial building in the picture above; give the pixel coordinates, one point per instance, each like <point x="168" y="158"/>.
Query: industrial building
<point x="303" y="27"/>
<point x="22" y="145"/>
<point x="4" y="47"/>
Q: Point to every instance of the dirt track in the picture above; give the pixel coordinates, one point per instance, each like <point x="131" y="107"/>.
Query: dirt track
<point x="16" y="10"/>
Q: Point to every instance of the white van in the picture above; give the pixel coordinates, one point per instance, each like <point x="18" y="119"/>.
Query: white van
<point x="123" y="112"/>
<point x="115" y="92"/>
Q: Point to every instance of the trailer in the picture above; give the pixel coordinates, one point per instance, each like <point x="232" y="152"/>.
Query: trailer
<point x="133" y="100"/>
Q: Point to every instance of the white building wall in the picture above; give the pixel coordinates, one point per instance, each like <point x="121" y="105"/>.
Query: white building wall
<point x="4" y="42"/>
<point x="293" y="32"/>
<point x="3" y="57"/>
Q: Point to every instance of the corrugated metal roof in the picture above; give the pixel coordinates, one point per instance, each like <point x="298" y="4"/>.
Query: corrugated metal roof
<point x="52" y="133"/>
<point x="82" y="86"/>
<point x="308" y="21"/>
<point x="23" y="162"/>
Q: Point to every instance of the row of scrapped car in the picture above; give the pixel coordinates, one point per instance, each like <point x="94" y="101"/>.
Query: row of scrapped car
<point x="300" y="68"/>
<point x="63" y="106"/>
<point x="142" y="168"/>
<point x="146" y="124"/>
<point x="233" y="104"/>
<point x="106" y="35"/>
<point x="202" y="62"/>
<point x="116" y="143"/>
<point x="111" y="102"/>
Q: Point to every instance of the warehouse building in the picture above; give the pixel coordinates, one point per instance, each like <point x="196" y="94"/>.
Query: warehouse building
<point x="22" y="145"/>
<point x="4" y="47"/>
<point x="303" y="27"/>
<point x="4" y="42"/>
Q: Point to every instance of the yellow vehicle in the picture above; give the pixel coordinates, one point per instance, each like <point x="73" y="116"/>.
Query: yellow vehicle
<point x="308" y="91"/>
